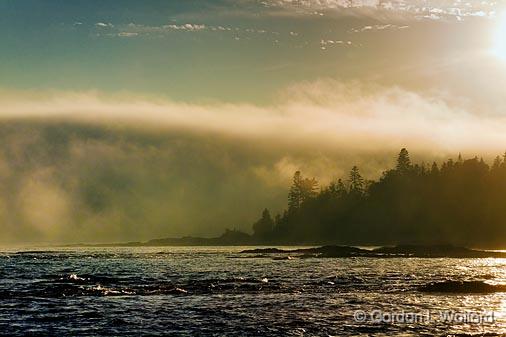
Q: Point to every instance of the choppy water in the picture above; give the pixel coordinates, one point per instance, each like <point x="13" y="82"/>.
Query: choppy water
<point x="217" y="291"/>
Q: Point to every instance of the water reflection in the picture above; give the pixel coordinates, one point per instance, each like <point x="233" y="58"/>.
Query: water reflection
<point x="204" y="291"/>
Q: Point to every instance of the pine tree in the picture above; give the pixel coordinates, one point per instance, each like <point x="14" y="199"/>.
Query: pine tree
<point x="302" y="190"/>
<point x="277" y="219"/>
<point x="497" y="163"/>
<point x="337" y="188"/>
<point x="434" y="170"/>
<point x="459" y="159"/>
<point x="341" y="188"/>
<point x="403" y="162"/>
<point x="295" y="195"/>
<point x="264" y="226"/>
<point x="357" y="183"/>
<point x="309" y="189"/>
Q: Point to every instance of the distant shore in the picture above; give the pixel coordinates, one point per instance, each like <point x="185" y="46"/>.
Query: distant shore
<point x="401" y="251"/>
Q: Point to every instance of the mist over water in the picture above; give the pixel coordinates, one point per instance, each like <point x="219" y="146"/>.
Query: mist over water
<point x="76" y="183"/>
<point x="91" y="167"/>
<point x="69" y="182"/>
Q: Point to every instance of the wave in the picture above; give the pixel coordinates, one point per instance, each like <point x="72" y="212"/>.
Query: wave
<point x="74" y="285"/>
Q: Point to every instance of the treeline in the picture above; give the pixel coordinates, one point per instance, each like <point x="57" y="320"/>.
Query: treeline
<point x="461" y="202"/>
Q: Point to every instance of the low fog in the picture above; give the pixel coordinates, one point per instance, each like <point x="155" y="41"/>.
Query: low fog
<point x="94" y="167"/>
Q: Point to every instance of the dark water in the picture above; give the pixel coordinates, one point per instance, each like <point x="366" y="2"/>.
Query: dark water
<point x="218" y="292"/>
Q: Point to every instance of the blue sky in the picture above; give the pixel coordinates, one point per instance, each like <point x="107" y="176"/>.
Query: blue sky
<point x="231" y="50"/>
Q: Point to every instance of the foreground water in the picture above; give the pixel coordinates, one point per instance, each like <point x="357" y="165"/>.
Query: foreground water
<point x="217" y="291"/>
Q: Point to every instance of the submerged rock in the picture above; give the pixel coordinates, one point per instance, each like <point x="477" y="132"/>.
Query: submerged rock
<point x="279" y="258"/>
<point x="264" y="251"/>
<point x="463" y="287"/>
<point x="336" y="251"/>
<point x="324" y="251"/>
<point x="416" y="251"/>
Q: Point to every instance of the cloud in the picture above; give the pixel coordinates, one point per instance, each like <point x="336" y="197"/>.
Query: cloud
<point x="127" y="34"/>
<point x="426" y="10"/>
<point x="378" y="28"/>
<point x="324" y="44"/>
<point x="133" y="30"/>
<point x="139" y="29"/>
<point x="104" y="25"/>
<point x="325" y="113"/>
<point x="187" y="26"/>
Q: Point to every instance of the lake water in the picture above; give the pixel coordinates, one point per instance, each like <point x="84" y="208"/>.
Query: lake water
<point x="219" y="292"/>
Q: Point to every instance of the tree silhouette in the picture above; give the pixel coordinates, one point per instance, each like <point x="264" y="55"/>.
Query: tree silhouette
<point x="302" y="190"/>
<point x="434" y="170"/>
<point x="263" y="227"/>
<point x="403" y="162"/>
<point x="295" y="193"/>
<point x="459" y="201"/>
<point x="497" y="163"/>
<point x="337" y="188"/>
<point x="357" y="183"/>
<point x="309" y="189"/>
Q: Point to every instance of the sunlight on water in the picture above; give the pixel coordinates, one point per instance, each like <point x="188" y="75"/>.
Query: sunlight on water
<point x="209" y="290"/>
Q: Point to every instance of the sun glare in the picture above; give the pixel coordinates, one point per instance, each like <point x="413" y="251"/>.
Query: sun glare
<point x="499" y="48"/>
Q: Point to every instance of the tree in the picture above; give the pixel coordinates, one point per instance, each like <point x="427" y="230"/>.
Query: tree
<point x="294" y="196"/>
<point x="459" y="202"/>
<point x="309" y="189"/>
<point x="264" y="226"/>
<point x="302" y="190"/>
<point x="434" y="170"/>
<point x="277" y="219"/>
<point x="497" y="163"/>
<point x="357" y="183"/>
<point x="403" y="162"/>
<point x="337" y="188"/>
<point x="460" y="160"/>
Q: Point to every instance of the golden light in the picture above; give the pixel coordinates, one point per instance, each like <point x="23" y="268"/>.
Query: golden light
<point x="499" y="48"/>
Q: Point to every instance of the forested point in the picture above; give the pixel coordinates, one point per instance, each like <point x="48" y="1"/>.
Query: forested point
<point x="460" y="202"/>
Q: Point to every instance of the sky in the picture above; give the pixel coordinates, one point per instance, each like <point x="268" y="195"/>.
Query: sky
<point x="130" y="120"/>
<point x="237" y="51"/>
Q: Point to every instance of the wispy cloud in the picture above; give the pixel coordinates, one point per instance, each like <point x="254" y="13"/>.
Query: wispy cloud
<point x="188" y="27"/>
<point x="104" y="25"/>
<point x="431" y="10"/>
<point x="328" y="114"/>
<point x="378" y="28"/>
<point x="324" y="44"/>
<point x="133" y="29"/>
